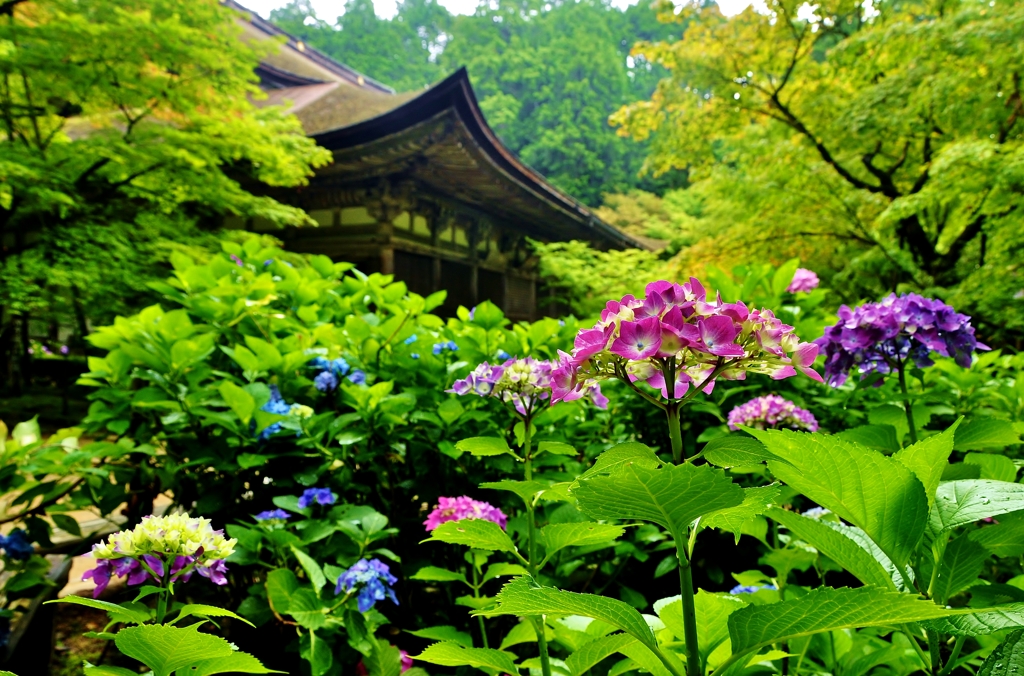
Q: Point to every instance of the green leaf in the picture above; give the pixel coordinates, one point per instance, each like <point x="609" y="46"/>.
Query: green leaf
<point x="835" y="544"/>
<point x="269" y="356"/>
<point x="928" y="459"/>
<point x="877" y="494"/>
<point x="444" y="633"/>
<point x="383" y="660"/>
<point x="590" y="654"/>
<point x="962" y="502"/>
<point x="450" y="410"/>
<point x="240" y="401"/>
<point x="281" y="586"/>
<point x="200" y="610"/>
<point x="879" y="437"/>
<point x="556" y="447"/>
<point x="67" y="523"/>
<point x="130" y="615"/>
<point x="756" y="501"/>
<point x="712" y="613"/>
<point x="558" y="536"/>
<point x="524" y="489"/>
<point x="523" y="597"/>
<point x="893" y="416"/>
<point x="250" y="460"/>
<point x="984" y="433"/>
<point x="982" y="622"/>
<point x="736" y="450"/>
<point x="671" y="497"/>
<point x="1005" y="538"/>
<point x="307" y="609"/>
<point x="502" y="570"/>
<point x="435" y="574"/>
<point x="483" y="446"/>
<point x="165" y="649"/>
<point x="313" y="570"/>
<point x="1007" y="659"/>
<point x="90" y="670"/>
<point x="826" y="609"/>
<point x="451" y="654"/>
<point x="960" y="567"/>
<point x="993" y="466"/>
<point x="477" y="533"/>
<point x="622" y="455"/>
<point x="235" y="663"/>
<point x="521" y="632"/>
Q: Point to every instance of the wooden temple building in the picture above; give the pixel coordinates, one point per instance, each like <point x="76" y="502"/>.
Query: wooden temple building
<point x="420" y="186"/>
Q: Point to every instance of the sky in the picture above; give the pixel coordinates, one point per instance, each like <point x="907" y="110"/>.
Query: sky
<point x="329" y="9"/>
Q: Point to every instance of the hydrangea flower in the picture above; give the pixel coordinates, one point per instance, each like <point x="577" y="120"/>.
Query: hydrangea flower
<point x="448" y="346"/>
<point x="524" y="383"/>
<point x="375" y="579"/>
<point x="172" y="547"/>
<point x="750" y="589"/>
<point x="357" y="377"/>
<point x="463" y="507"/>
<point x="321" y="496"/>
<point x="674" y="339"/>
<point x="772" y="412"/>
<point x="410" y="340"/>
<point x="804" y="281"/>
<point x="325" y="381"/>
<point x="271" y="514"/>
<point x="882" y="337"/>
<point x="277" y="405"/>
<point x="816" y="512"/>
<point x="331" y="371"/>
<point x="17" y="545"/>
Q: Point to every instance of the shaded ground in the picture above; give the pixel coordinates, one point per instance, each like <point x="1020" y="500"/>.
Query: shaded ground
<point x="71" y="648"/>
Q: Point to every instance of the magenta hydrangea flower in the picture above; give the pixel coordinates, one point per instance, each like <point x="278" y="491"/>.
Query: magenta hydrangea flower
<point x="804" y="280"/>
<point x="881" y="337"/>
<point x="674" y="339"/>
<point x="772" y="412"/>
<point x="523" y="383"/>
<point x="463" y="507"/>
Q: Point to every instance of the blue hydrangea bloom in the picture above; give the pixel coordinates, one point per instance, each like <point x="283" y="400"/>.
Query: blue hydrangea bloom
<point x="17" y="545"/>
<point x="272" y="514"/>
<point x="503" y="356"/>
<point x="357" y="377"/>
<point x="339" y="367"/>
<point x="375" y="578"/>
<point x="410" y="340"/>
<point x="415" y="355"/>
<point x="326" y="381"/>
<point x="447" y="346"/>
<point x="277" y="405"/>
<point x="749" y="589"/>
<point x="321" y="496"/>
<point x="321" y="363"/>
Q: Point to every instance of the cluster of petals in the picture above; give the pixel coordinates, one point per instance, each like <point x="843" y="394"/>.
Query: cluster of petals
<point x="463" y="507"/>
<point x="373" y="579"/>
<point x="772" y="412"/>
<point x="674" y="333"/>
<point x="804" y="281"/>
<point x="523" y="382"/>
<point x="876" y="337"/>
<point x="160" y="546"/>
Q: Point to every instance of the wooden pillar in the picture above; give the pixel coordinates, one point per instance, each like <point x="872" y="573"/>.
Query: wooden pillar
<point x="474" y="262"/>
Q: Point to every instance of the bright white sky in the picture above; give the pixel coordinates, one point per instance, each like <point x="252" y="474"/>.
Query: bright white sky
<point x="329" y="9"/>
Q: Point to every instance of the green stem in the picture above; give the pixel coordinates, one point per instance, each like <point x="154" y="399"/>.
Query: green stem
<point x="953" y="656"/>
<point x="674" y="432"/>
<point x="161" y="602"/>
<point x="476" y="595"/>
<point x="531" y="547"/>
<point x="925" y="658"/>
<point x="933" y="650"/>
<point x="693" y="666"/>
<point x="906" y="402"/>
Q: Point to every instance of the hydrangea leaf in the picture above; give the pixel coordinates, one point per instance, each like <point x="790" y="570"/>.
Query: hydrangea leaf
<point x="313" y="570"/>
<point x="91" y="670"/>
<point x="524" y="489"/>
<point x="235" y="663"/>
<point x="672" y="496"/>
<point x="961" y="564"/>
<point x="451" y="654"/>
<point x="928" y="459"/>
<point x="477" y="533"/>
<point x="383" y="660"/>
<point x="590" y="654"/>
<point x="712" y="612"/>
<point x="837" y="545"/>
<point x="165" y="649"/>
<point x="756" y="502"/>
<point x="736" y="450"/>
<point x="982" y="622"/>
<point x="879" y="437"/>
<point x="522" y="632"/>
<point x="281" y="585"/>
<point x="876" y="493"/>
<point x="1005" y="538"/>
<point x="503" y="569"/>
<point x="445" y="633"/>
<point x="556" y="447"/>
<point x="993" y="466"/>
<point x="558" y="536"/>
<point x="826" y="609"/>
<point x="240" y="401"/>
<point x="483" y="446"/>
<point x="126" y="614"/>
<point x="1007" y="659"/>
<point x="649" y="661"/>
<point x="306" y="609"/>
<point x="986" y="433"/>
<point x="958" y="503"/>
<point x="621" y="455"/>
<point x="435" y="574"/>
<point x="202" y="610"/>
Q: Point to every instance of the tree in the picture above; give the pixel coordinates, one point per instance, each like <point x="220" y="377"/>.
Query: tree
<point x="890" y="130"/>
<point x="128" y="126"/>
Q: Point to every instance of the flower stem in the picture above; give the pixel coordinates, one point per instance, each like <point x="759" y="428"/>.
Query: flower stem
<point x="476" y="594"/>
<point x="531" y="547"/>
<point x="674" y="432"/>
<point x="906" y="402"/>
<point x="693" y="667"/>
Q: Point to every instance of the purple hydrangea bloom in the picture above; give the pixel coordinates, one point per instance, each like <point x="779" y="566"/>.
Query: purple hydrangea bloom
<point x="804" y="281"/>
<point x="237" y="260"/>
<point x="325" y="381"/>
<point x="321" y="496"/>
<point x="524" y="383"/>
<point x="883" y="336"/>
<point x="375" y="578"/>
<point x="64" y="349"/>
<point x="357" y="377"/>
<point x="772" y="412"/>
<point x="463" y="507"/>
<point x="269" y="514"/>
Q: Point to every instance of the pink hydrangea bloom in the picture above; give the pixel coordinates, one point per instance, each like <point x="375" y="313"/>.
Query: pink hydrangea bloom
<point x="463" y="507"/>
<point x="524" y="383"/>
<point x="804" y="280"/>
<point x="674" y="339"/>
<point x="772" y="412"/>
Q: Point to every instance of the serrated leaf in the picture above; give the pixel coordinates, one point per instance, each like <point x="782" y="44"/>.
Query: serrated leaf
<point x="117" y="613"/>
<point x="235" y="663"/>
<point x="958" y="503"/>
<point x="435" y="574"/>
<point x="736" y="450"/>
<point x="983" y="433"/>
<point x="1007" y="659"/>
<point x="961" y="564"/>
<point x="826" y="609"/>
<point x="483" y="446"/>
<point x="476" y="533"/>
<point x="384" y="660"/>
<point x="590" y="654"/>
<point x="1005" y="538"/>
<point x="622" y="455"/>
<point x="558" y="536"/>
<point x="240" y="401"/>
<point x="982" y="622"/>
<point x="524" y="489"/>
<point x="879" y="437"/>
<point x="444" y="633"/>
<point x="91" y="670"/>
<point x="873" y="492"/>
<point x="313" y="570"/>
<point x="993" y="466"/>
<point x="672" y="496"/>
<point x="837" y="545"/>
<point x="712" y="613"/>
<point x="201" y="610"/>
<point x="756" y="502"/>
<point x="556" y="447"/>
<point x="450" y="410"/>
<point x="928" y="459"/>
<point x="451" y="654"/>
<point x="165" y="649"/>
<point x="281" y="585"/>
<point x="502" y="570"/>
<point x="521" y="632"/>
<point x="305" y="607"/>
